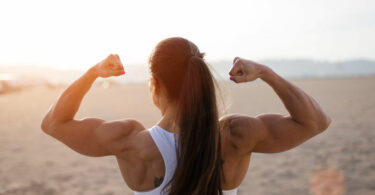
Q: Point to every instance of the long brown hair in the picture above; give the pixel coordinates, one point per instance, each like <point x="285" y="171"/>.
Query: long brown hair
<point x="178" y="64"/>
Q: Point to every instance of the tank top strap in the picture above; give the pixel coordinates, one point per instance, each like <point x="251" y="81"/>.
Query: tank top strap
<point x="230" y="192"/>
<point x="165" y="142"/>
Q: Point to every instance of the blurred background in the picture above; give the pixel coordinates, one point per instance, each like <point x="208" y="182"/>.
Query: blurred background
<point x="327" y="48"/>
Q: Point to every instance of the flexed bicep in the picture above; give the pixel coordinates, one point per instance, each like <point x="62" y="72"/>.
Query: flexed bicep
<point x="280" y="133"/>
<point x="267" y="133"/>
<point x="94" y="137"/>
<point x="274" y="132"/>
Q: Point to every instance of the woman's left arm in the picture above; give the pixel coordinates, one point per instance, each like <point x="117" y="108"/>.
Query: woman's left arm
<point x="85" y="136"/>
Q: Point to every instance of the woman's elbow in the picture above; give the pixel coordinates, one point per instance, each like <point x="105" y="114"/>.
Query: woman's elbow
<point x="319" y="124"/>
<point x="324" y="123"/>
<point x="46" y="125"/>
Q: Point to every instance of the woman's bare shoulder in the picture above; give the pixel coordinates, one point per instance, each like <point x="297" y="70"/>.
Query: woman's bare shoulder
<point x="239" y="132"/>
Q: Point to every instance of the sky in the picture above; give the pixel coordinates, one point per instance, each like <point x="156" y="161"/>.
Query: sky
<point x="74" y="34"/>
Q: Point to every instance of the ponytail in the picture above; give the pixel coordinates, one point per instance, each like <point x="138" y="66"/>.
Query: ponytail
<point x="198" y="170"/>
<point x="180" y="66"/>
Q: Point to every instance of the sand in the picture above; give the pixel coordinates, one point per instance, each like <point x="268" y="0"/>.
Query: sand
<point x="33" y="163"/>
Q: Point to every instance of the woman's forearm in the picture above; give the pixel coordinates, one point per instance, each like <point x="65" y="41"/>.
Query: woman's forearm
<point x="68" y="103"/>
<point x="302" y="107"/>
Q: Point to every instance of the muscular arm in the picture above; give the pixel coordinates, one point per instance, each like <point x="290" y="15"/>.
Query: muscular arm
<point x="269" y="133"/>
<point x="90" y="136"/>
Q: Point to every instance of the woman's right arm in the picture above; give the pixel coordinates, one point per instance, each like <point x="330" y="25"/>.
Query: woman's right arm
<point x="269" y="133"/>
<point x="89" y="136"/>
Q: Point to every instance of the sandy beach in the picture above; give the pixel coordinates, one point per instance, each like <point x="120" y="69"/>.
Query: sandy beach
<point x="32" y="163"/>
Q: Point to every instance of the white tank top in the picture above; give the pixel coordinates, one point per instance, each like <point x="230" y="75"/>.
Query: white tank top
<point x="165" y="141"/>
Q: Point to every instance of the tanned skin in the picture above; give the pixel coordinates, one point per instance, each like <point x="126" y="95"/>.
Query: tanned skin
<point x="140" y="161"/>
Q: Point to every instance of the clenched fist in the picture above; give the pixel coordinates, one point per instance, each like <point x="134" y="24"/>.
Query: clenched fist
<point x="245" y="70"/>
<point x="110" y="66"/>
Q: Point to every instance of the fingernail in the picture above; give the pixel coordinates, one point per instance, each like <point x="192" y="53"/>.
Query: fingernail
<point x="231" y="78"/>
<point x="123" y="72"/>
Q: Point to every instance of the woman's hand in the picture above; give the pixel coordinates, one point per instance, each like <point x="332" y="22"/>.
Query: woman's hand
<point x="110" y="66"/>
<point x="245" y="70"/>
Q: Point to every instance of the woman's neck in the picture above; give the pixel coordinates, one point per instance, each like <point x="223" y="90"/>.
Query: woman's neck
<point x="168" y="123"/>
<point x="169" y="113"/>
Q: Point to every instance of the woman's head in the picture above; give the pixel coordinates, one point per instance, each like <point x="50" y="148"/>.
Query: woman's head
<point x="168" y="66"/>
<point x="180" y="77"/>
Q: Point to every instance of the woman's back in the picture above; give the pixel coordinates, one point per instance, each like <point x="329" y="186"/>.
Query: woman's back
<point x="156" y="162"/>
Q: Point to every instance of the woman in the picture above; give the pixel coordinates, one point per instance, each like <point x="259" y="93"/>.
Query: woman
<point x="190" y="150"/>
